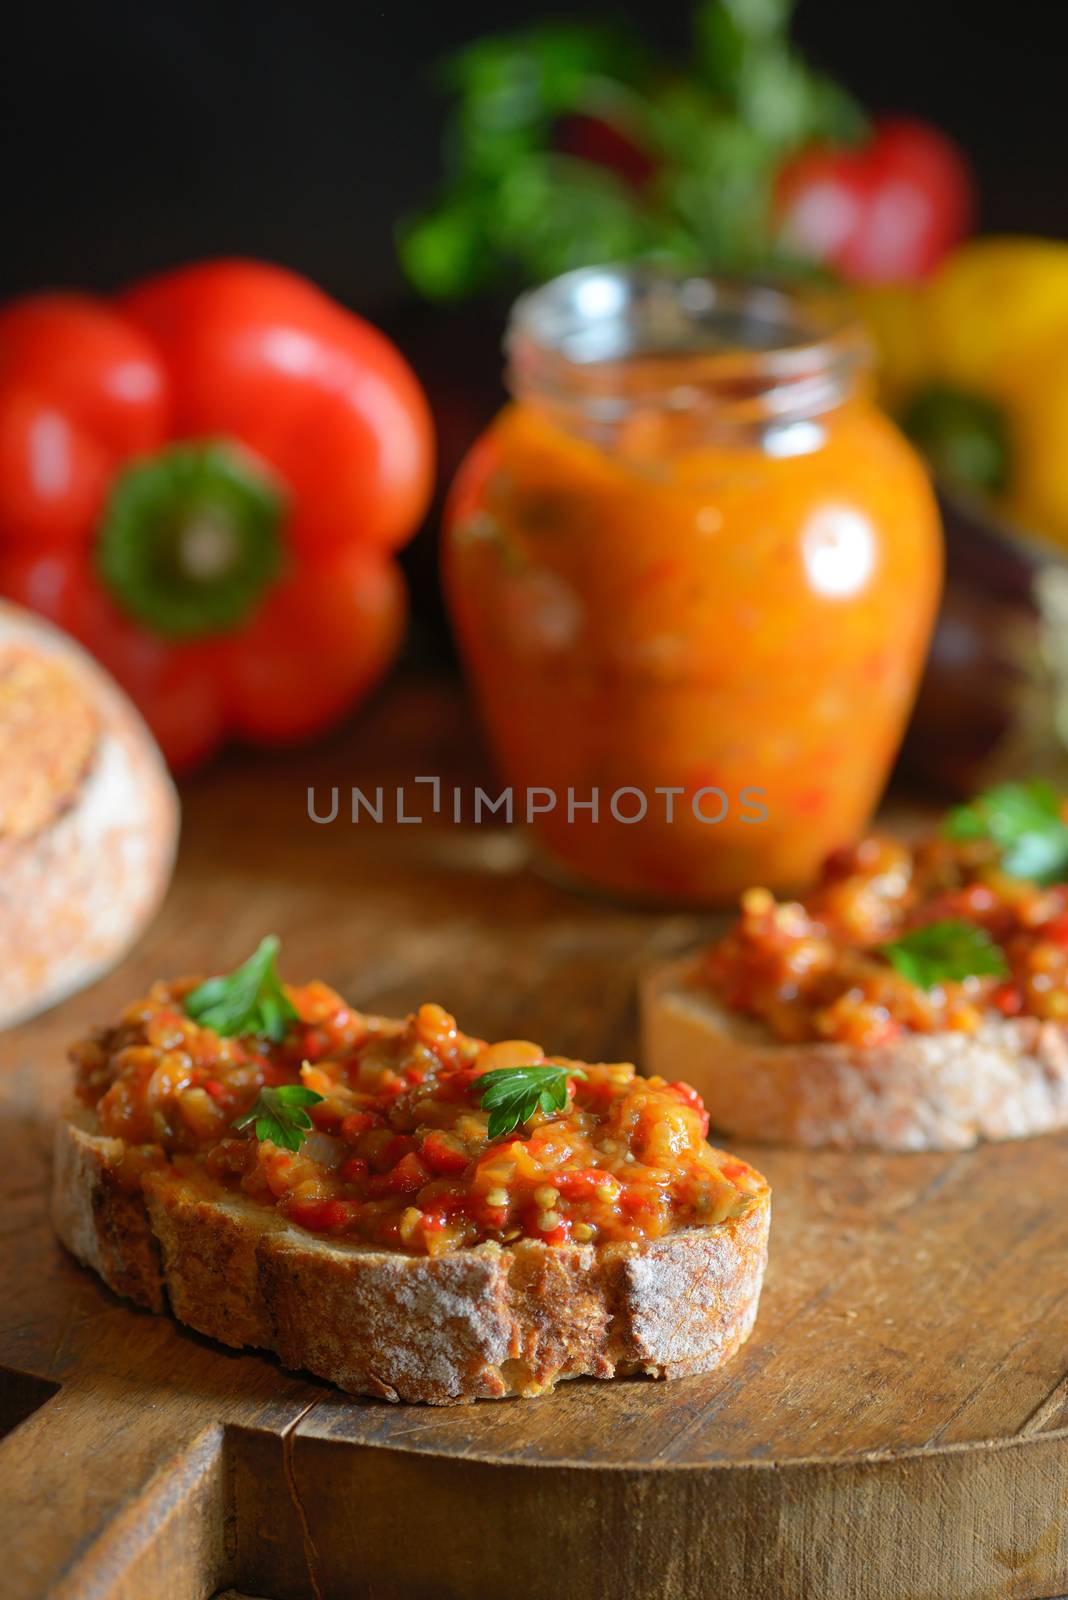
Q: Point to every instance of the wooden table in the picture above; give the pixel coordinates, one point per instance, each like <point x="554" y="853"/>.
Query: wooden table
<point x="896" y="1427"/>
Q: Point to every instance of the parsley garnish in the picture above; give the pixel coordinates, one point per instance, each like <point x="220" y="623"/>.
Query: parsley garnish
<point x="280" y="1115"/>
<point x="1024" y="820"/>
<point x="945" y="952"/>
<point x="511" y="1095"/>
<point x="248" y="1001"/>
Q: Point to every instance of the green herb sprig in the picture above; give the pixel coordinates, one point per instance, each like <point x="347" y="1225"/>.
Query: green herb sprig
<point x="250" y="1000"/>
<point x="281" y="1115"/>
<point x="1024" y="821"/>
<point x="697" y="150"/>
<point x="513" y="1094"/>
<point x="945" y="952"/>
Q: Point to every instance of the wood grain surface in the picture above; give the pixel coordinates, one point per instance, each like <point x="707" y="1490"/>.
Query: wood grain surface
<point x="896" y="1427"/>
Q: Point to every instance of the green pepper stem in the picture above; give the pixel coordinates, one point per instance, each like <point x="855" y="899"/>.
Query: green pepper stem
<point x="191" y="539"/>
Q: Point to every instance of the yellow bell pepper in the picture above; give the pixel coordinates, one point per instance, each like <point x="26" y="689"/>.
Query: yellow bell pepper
<point x="975" y="362"/>
<point x="989" y="302"/>
<point x="1033" y="388"/>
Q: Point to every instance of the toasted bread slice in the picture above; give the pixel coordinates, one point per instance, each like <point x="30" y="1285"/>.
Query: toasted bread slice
<point x="937" y="1091"/>
<point x="482" y="1322"/>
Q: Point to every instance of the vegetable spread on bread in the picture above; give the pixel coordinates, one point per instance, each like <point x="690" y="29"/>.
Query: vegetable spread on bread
<point x="410" y="1136"/>
<point x="896" y="938"/>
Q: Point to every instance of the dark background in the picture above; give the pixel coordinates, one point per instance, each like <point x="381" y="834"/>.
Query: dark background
<point x="135" y="136"/>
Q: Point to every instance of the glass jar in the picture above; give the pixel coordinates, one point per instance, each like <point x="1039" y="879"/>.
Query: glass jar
<point x="693" y="571"/>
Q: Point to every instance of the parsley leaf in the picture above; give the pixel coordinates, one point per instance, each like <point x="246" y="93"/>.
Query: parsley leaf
<point x="250" y="1000"/>
<point x="280" y="1114"/>
<point x="944" y="952"/>
<point x="1024" y="820"/>
<point x="530" y="192"/>
<point x="513" y="1094"/>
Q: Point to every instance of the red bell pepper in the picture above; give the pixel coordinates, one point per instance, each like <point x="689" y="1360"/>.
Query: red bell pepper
<point x="204" y="481"/>
<point x="884" y="211"/>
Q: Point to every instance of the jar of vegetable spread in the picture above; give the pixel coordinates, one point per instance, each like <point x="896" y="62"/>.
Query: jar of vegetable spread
<point x="693" y="572"/>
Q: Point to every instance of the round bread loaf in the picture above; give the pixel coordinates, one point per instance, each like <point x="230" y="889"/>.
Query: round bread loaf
<point x="88" y="818"/>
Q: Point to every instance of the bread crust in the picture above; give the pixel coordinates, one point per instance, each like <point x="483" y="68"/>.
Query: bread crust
<point x="479" y="1323"/>
<point x="81" y="888"/>
<point x="97" y="1218"/>
<point x="941" y="1091"/>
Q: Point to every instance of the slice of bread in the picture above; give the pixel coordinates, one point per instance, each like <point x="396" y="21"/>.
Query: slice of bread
<point x="483" y="1322"/>
<point x="937" y="1091"/>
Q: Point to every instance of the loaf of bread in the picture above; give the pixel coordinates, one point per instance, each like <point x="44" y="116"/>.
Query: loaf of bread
<point x="88" y="818"/>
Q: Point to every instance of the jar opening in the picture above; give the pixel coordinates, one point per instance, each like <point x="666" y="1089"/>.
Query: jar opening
<point x="598" y="345"/>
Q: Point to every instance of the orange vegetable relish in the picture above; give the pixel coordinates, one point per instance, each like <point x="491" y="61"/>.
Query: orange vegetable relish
<point x="811" y="970"/>
<point x="399" y="1154"/>
<point x="696" y="595"/>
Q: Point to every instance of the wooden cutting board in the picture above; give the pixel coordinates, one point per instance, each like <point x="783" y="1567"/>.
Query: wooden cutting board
<point x="896" y="1427"/>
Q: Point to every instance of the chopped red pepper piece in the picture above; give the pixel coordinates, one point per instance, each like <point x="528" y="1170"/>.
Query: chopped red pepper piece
<point x="579" y="1185"/>
<point x="443" y="1156"/>
<point x="690" y="1097"/>
<point x="409" y="1175"/>
<point x="1008" y="999"/>
<point x="358" y="1122"/>
<point x="320" y="1216"/>
<point x="399" y="1146"/>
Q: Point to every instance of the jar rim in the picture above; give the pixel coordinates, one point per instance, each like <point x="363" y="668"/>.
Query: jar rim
<point x="600" y="341"/>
